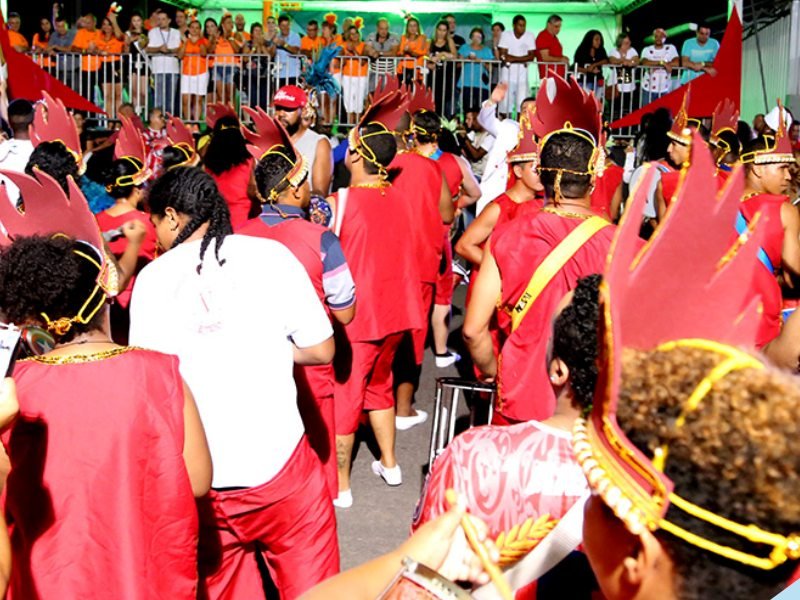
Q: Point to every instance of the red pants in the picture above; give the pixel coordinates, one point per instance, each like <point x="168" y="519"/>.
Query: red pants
<point x="418" y="335"/>
<point x="444" y="281"/>
<point x="315" y="401"/>
<point x="363" y="379"/>
<point x="290" y="519"/>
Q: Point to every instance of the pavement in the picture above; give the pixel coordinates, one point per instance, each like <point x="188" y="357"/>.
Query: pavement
<point x="380" y="517"/>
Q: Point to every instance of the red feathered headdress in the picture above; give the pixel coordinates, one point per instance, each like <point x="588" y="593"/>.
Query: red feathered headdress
<point x="778" y="148"/>
<point x="384" y="112"/>
<point x="562" y="106"/>
<point x="216" y="110"/>
<point x="683" y="125"/>
<point x="180" y="136"/>
<point x="421" y="98"/>
<point x="53" y="123"/>
<point x="130" y="147"/>
<point x="526" y="149"/>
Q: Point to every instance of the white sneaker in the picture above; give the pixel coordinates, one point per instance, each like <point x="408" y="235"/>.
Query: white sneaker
<point x="393" y="476"/>
<point x="344" y="500"/>
<point x="404" y="423"/>
<point x="445" y="360"/>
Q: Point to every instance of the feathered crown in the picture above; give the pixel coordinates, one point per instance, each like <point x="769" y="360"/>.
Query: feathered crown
<point x="778" y="147"/>
<point x="216" y="110"/>
<point x="682" y="126"/>
<point x="421" y="98"/>
<point x="180" y="136"/>
<point x="53" y="123"/>
<point x="725" y="118"/>
<point x="526" y="149"/>
<point x="49" y="212"/>
<point x="385" y="112"/>
<point x="130" y="147"/>
<point x="330" y="19"/>
<point x="191" y="14"/>
<point x="658" y="297"/>
<point x="358" y="22"/>
<point x="270" y="138"/>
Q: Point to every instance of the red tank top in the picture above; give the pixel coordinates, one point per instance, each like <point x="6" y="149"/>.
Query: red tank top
<point x="419" y="180"/>
<point x="98" y="496"/>
<point x="233" y="185"/>
<point x="452" y="172"/>
<point x="375" y="230"/>
<point x="765" y="283"/>
<point x="604" y="189"/>
<point x="519" y="247"/>
<point x="669" y="185"/>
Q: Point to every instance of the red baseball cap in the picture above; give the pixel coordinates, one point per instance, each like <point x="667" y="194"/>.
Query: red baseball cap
<point x="290" y="96"/>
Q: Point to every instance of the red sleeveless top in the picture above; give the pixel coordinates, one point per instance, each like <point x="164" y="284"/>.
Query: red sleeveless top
<point x="765" y="283"/>
<point x="98" y="498"/>
<point x="604" y="188"/>
<point x="375" y="230"/>
<point x="451" y="171"/>
<point x="519" y="247"/>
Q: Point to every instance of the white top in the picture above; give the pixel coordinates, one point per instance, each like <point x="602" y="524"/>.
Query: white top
<point x="307" y="146"/>
<point x="480" y="140"/>
<point x="232" y="326"/>
<point x="163" y="63"/>
<point x="622" y="76"/>
<point x="495" y="171"/>
<point x="517" y="47"/>
<point x="14" y="156"/>
<point x="653" y="78"/>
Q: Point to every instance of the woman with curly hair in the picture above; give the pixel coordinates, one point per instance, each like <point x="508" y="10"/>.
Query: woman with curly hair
<point x="226" y="292"/>
<point x="108" y="437"/>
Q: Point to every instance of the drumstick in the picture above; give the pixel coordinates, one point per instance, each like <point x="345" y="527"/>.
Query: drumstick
<point x="477" y="546"/>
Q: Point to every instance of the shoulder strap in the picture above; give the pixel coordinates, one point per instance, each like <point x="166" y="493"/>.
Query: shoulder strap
<point x="553" y="263"/>
<point x="742" y="228"/>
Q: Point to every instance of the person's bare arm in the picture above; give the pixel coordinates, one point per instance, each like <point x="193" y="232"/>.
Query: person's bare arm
<point x="480" y="309"/>
<point x="661" y="204"/>
<point x="318" y="354"/>
<point x="447" y="209"/>
<point x="182" y="50"/>
<point x="470" y="190"/>
<point x="790" y="254"/>
<point x="135" y="232"/>
<point x="472" y="153"/>
<point x="346" y="315"/>
<point x="118" y="33"/>
<point x="322" y="172"/>
<point x="784" y="350"/>
<point x="196" y="454"/>
<point x="478" y="232"/>
<point x="616" y="204"/>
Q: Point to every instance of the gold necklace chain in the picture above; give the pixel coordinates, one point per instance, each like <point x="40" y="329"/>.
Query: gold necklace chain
<point x="566" y="213"/>
<point x="80" y="358"/>
<point x="747" y="197"/>
<point x="371" y="185"/>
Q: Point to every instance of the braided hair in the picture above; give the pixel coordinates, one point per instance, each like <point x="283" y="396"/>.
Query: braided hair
<point x="192" y="192"/>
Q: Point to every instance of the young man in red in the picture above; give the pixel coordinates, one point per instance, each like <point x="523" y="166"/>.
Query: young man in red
<point x="281" y="182"/>
<point x="373" y="225"/>
<point x="534" y="260"/>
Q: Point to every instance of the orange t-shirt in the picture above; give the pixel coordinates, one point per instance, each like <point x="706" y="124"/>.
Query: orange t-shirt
<point x="113" y="46"/>
<point x="306" y="43"/>
<point x="224" y="53"/>
<point x="43" y="60"/>
<point x="355" y="64"/>
<point x="193" y="63"/>
<point x="244" y="34"/>
<point x="418" y="46"/>
<point x="83" y="38"/>
<point x="17" y="39"/>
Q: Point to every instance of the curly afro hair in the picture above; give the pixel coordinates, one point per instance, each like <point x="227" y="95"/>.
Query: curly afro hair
<point x="271" y="173"/>
<point x="575" y="340"/>
<point x="45" y="275"/>
<point x="734" y="456"/>
<point x="56" y="160"/>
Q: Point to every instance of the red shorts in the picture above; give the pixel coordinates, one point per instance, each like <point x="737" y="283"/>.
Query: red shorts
<point x="363" y="379"/>
<point x="290" y="519"/>
<point x="444" y="281"/>
<point x="315" y="401"/>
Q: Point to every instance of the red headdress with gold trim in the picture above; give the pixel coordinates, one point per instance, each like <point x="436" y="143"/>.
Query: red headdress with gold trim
<point x="180" y="136"/>
<point x="683" y="124"/>
<point x="683" y="289"/>
<point x="778" y="147"/>
<point x="269" y="139"/>
<point x="130" y="147"/>
<point x="216" y="110"/>
<point x="49" y="212"/>
<point x="526" y="149"/>
<point x="725" y="118"/>
<point x="53" y="123"/>
<point x="420" y="98"/>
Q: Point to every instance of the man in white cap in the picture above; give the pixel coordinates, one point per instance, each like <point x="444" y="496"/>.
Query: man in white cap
<point x="772" y="121"/>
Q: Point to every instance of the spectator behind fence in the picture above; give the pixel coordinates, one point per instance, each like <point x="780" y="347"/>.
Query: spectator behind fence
<point x="260" y="51"/>
<point x="355" y="74"/>
<point x="442" y="69"/>
<point x="287" y="43"/>
<point x="497" y="31"/>
<point x="311" y="42"/>
<point x="61" y="41"/>
<point x="589" y="60"/>
<point x="548" y="48"/>
<point x="181" y="23"/>
<point x="413" y="47"/>
<point x="383" y="45"/>
<point x="15" y="152"/>
<point x="194" y="72"/>
<point x="15" y="38"/>
<point x="41" y="45"/>
<point x="137" y="69"/>
<point x="163" y="44"/>
<point x="85" y="42"/>
<point x="225" y="47"/>
<point x="111" y="45"/>
<point x="664" y="57"/>
<point x="474" y="80"/>
<point x="517" y="50"/>
<point x="698" y="54"/>
<point x="475" y="142"/>
<point x="450" y="19"/>
<point x="623" y="57"/>
<point x="241" y="30"/>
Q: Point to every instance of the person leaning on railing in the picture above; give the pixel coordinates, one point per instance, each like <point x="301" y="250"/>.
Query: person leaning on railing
<point x="442" y="69"/>
<point x="194" y="72"/>
<point x="355" y="73"/>
<point x="589" y="60"/>
<point x="111" y="45"/>
<point x="226" y="67"/>
<point x="622" y="58"/>
<point x="413" y="47"/>
<point x="260" y="50"/>
<point x="40" y="46"/>
<point x="85" y="42"/>
<point x="474" y="80"/>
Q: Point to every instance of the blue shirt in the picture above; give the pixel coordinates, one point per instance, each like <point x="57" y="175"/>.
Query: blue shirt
<point x="697" y="53"/>
<point x="288" y="65"/>
<point x="473" y="75"/>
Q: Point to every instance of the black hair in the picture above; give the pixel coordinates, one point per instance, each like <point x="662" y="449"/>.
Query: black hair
<point x="656" y="139"/>
<point x="500" y="25"/>
<point x="744" y="132"/>
<point x="572" y="153"/>
<point x="271" y="172"/>
<point x="20" y="115"/>
<point x="479" y="30"/>
<point x="191" y="191"/>
<point x="448" y="142"/>
<point x="430" y="122"/>
<point x="56" y="160"/>
<point x="14" y="15"/>
<point x="227" y="147"/>
<point x="583" y="53"/>
<point x="447" y="16"/>
<point x="254" y="25"/>
<point x="44" y="35"/>
<point x="172" y="156"/>
<point x="575" y="339"/>
<point x="620" y="38"/>
<point x="384" y="147"/>
<point x="283" y="18"/>
<point x="553" y="19"/>
<point x="207" y="21"/>
<point x="757" y="145"/>
<point x="126" y="105"/>
<point x="518" y="18"/>
<point x="734" y="146"/>
<point x="122" y="167"/>
<point x="312" y="22"/>
<point x="153" y="110"/>
<point x="703" y="25"/>
<point x="44" y="275"/>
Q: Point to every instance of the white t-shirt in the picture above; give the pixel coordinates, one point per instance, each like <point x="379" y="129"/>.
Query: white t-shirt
<point x="163" y="63"/>
<point x="482" y="140"/>
<point x="495" y="171"/>
<point x="653" y="78"/>
<point x="517" y="47"/>
<point x="232" y="326"/>
<point x="14" y="156"/>
<point x="622" y="76"/>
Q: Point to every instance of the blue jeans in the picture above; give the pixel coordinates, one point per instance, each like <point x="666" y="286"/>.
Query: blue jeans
<point x="165" y="94"/>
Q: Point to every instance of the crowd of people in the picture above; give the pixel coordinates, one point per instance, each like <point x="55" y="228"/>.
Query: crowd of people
<point x="229" y="60"/>
<point x="207" y="319"/>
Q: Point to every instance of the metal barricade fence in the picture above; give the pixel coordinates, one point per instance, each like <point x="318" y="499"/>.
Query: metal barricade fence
<point x="184" y="86"/>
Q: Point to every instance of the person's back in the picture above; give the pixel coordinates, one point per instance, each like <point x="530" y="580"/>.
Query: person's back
<point x="15" y="153"/>
<point x="98" y="482"/>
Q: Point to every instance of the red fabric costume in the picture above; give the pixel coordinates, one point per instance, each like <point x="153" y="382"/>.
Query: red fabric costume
<point x="765" y="284"/>
<point x="98" y="498"/>
<point x="669" y="184"/>
<point x="451" y="170"/>
<point x="524" y="390"/>
<point x="374" y="233"/>
<point x="604" y="189"/>
<point x="233" y="185"/>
